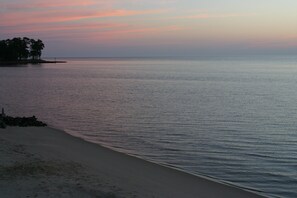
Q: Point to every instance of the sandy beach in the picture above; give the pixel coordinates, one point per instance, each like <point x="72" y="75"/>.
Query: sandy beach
<point x="46" y="162"/>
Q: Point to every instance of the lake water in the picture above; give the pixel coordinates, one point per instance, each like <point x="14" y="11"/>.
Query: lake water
<point x="232" y="119"/>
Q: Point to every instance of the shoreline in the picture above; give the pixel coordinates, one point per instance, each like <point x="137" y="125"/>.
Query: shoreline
<point x="25" y="62"/>
<point x="165" y="165"/>
<point x="121" y="174"/>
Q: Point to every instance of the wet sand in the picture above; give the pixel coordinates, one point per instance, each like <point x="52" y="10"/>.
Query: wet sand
<point x="46" y="162"/>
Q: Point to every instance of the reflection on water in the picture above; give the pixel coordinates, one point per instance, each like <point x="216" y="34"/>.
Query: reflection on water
<point x="231" y="119"/>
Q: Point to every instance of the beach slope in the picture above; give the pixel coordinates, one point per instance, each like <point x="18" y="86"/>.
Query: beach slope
<point x="47" y="162"/>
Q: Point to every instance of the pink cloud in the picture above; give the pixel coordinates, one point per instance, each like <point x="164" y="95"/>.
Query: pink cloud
<point x="35" y="4"/>
<point x="40" y="17"/>
<point x="108" y="34"/>
<point x="63" y="27"/>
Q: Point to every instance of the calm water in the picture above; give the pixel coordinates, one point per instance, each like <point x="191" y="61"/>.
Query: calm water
<point x="233" y="119"/>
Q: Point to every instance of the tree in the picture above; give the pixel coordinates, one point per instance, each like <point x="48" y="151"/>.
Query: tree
<point x="25" y="52"/>
<point x="11" y="52"/>
<point x="17" y="49"/>
<point x="36" y="48"/>
<point x="20" y="48"/>
<point x="3" y="49"/>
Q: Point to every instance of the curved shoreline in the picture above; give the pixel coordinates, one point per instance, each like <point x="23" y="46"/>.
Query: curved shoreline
<point x="129" y="173"/>
<point x="207" y="177"/>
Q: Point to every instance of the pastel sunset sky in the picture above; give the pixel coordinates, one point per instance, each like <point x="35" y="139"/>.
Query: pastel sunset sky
<point x="93" y="28"/>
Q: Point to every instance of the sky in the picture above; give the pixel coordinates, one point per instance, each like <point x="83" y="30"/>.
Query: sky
<point x="116" y="28"/>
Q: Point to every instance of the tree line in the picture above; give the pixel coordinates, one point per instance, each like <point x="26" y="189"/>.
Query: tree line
<point x="18" y="49"/>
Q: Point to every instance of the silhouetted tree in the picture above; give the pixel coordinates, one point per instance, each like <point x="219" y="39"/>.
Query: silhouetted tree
<point x="20" y="48"/>
<point x="17" y="49"/>
<point x="36" y="48"/>
<point x="3" y="49"/>
<point x="25" y="52"/>
<point x="11" y="50"/>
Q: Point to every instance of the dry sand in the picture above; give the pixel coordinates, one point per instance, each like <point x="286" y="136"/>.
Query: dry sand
<point x="45" y="162"/>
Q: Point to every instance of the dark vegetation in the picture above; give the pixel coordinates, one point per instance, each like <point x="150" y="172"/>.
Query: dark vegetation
<point x="19" y="121"/>
<point x="20" y="49"/>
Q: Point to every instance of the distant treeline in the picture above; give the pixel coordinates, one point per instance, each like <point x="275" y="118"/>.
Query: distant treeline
<point x="18" y="49"/>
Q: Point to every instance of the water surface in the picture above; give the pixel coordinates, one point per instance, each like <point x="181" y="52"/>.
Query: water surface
<point x="233" y="119"/>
